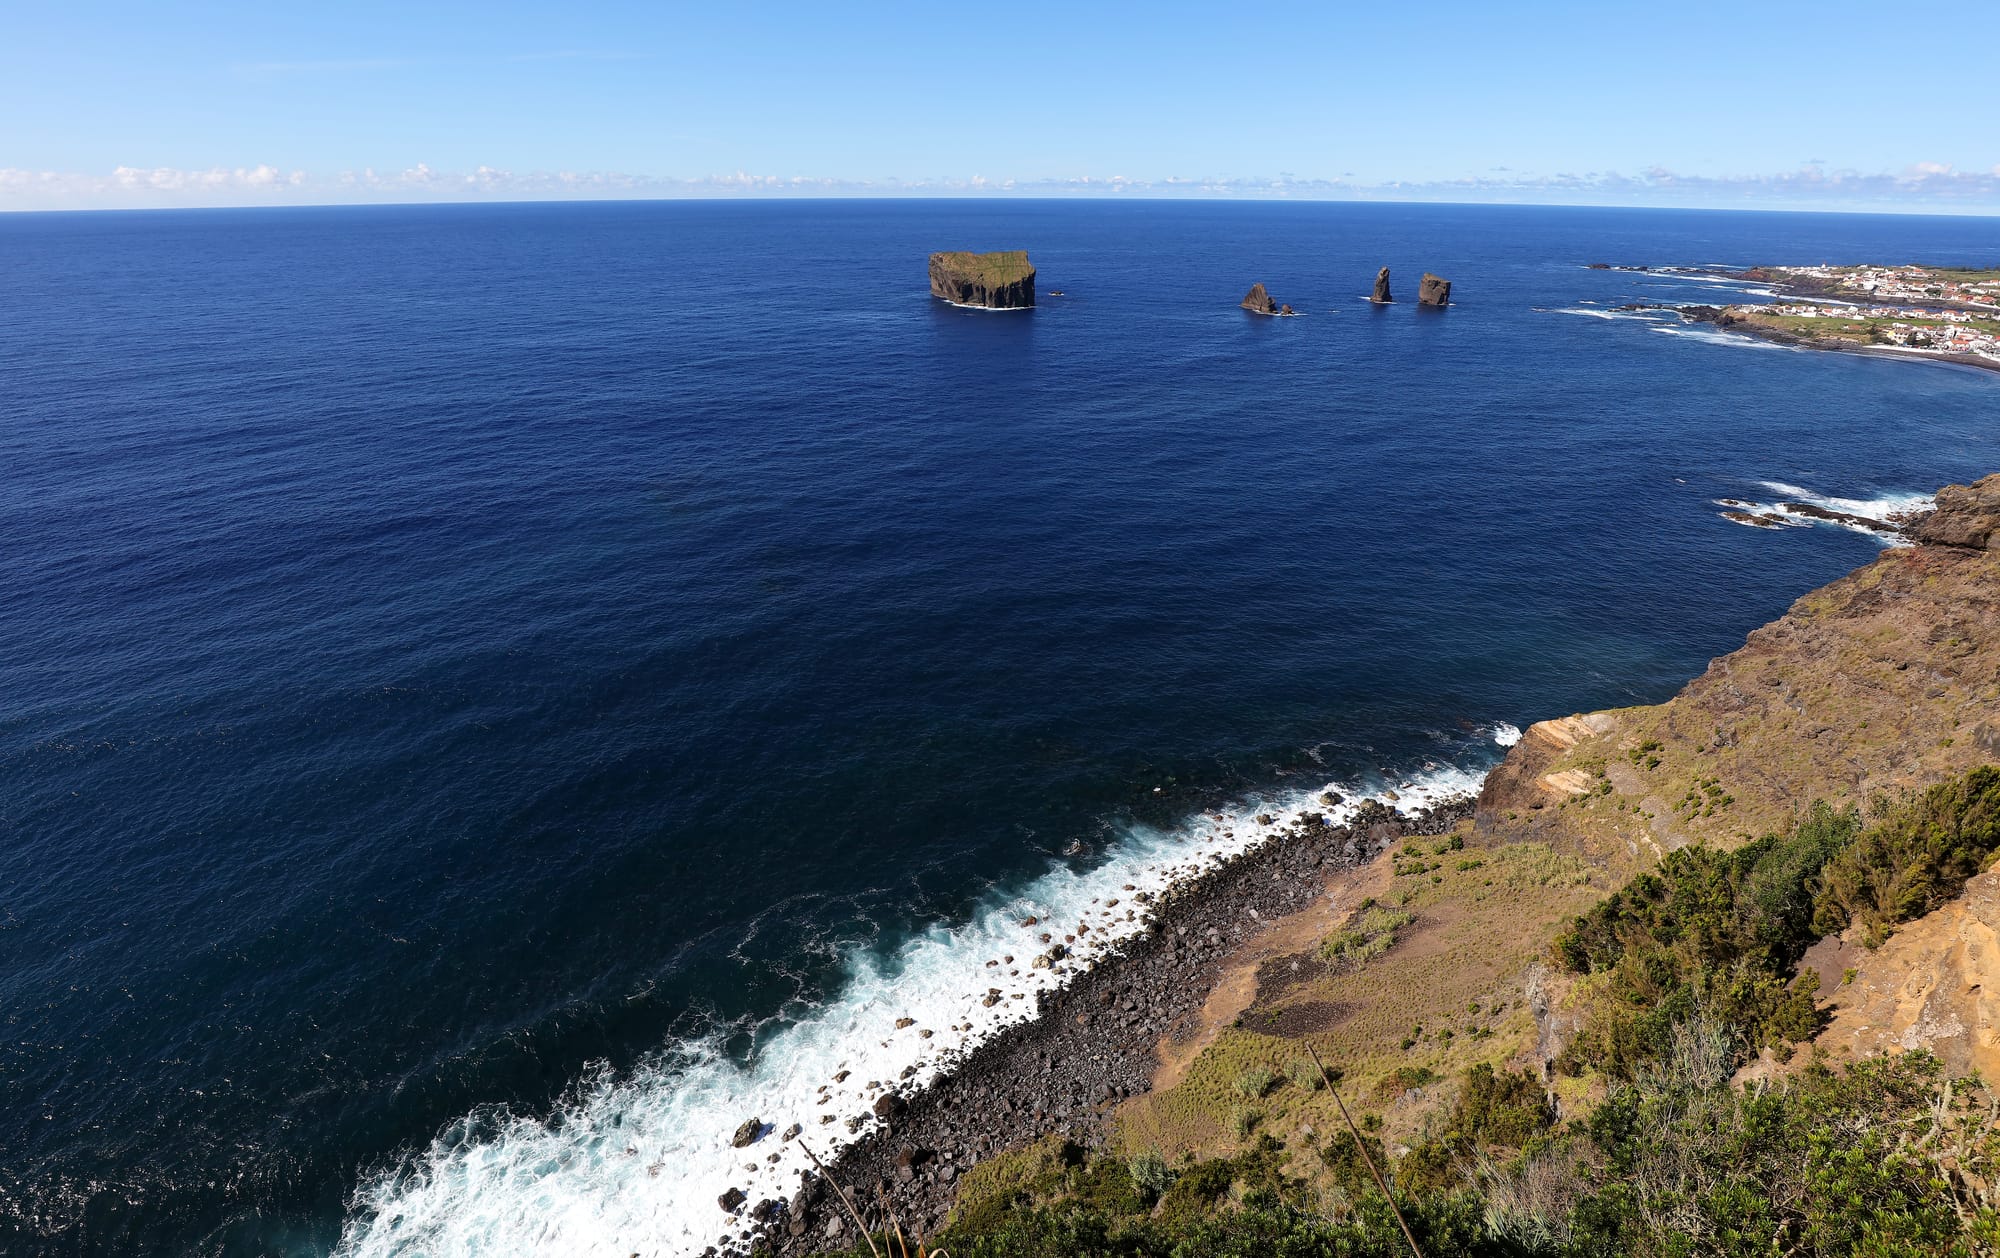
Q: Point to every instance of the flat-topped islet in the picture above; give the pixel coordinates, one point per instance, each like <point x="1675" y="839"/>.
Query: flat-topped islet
<point x="995" y="281"/>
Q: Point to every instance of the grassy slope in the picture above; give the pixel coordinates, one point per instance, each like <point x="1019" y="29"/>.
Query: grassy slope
<point x="994" y="270"/>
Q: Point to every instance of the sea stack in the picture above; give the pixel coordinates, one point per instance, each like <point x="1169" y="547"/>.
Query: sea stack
<point x="1259" y="301"/>
<point x="1382" y="297"/>
<point x="994" y="281"/>
<point x="1434" y="291"/>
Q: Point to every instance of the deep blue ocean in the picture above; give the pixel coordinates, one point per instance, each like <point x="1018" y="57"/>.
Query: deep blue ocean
<point x="487" y="691"/>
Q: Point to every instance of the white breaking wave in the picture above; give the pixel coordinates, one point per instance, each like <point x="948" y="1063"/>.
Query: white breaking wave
<point x="1881" y="512"/>
<point x="637" y="1164"/>
<point x="1506" y="735"/>
<point x="1613" y="314"/>
<point x="1885" y="508"/>
<point x="1712" y="337"/>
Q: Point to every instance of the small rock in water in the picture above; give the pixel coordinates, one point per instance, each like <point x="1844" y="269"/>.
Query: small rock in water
<point x="905" y="1022"/>
<point x="747" y="1133"/>
<point x="732" y="1201"/>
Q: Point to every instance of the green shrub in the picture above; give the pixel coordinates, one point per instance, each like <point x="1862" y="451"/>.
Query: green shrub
<point x="1712" y="931"/>
<point x="1372" y="933"/>
<point x="1254" y="1083"/>
<point x="1917" y="857"/>
<point x="1150" y="1174"/>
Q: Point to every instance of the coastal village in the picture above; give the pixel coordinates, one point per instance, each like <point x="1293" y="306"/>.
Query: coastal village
<point x="1902" y="283"/>
<point x="1934" y="311"/>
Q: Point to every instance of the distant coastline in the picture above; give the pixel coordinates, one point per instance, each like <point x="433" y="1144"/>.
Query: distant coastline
<point x="1912" y="313"/>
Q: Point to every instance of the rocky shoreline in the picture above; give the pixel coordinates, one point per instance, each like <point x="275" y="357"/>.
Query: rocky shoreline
<point x="1088" y="1047"/>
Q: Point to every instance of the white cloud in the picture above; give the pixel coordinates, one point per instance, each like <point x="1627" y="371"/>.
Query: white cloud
<point x="1922" y="186"/>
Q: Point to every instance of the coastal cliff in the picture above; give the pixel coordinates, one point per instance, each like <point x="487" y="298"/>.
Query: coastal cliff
<point x="994" y="281"/>
<point x="1432" y="959"/>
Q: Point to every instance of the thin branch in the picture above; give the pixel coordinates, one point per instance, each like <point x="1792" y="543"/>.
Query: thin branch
<point x="1361" y="1146"/>
<point x="844" y="1200"/>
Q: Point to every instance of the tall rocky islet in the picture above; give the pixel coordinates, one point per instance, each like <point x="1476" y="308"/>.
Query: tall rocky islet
<point x="1257" y="301"/>
<point x="1434" y="290"/>
<point x="994" y="281"/>
<point x="1381" y="295"/>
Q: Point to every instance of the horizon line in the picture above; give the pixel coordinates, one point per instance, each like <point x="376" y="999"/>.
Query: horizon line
<point x="994" y="195"/>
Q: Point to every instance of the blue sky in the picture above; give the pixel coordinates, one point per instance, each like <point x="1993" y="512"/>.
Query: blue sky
<point x="1830" y="104"/>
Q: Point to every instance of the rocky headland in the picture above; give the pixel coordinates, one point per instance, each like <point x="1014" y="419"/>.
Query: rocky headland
<point x="992" y="281"/>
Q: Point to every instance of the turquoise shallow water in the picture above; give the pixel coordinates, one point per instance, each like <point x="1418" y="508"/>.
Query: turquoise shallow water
<point x="455" y="652"/>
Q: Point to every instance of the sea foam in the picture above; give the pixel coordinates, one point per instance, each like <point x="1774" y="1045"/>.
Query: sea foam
<point x="1882" y="511"/>
<point x="1712" y="337"/>
<point x="637" y="1163"/>
<point x="1643" y="317"/>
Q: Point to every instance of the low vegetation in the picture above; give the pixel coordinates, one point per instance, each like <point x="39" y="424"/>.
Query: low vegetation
<point x="1682" y="976"/>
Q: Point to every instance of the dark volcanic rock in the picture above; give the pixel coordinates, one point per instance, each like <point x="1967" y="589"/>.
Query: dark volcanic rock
<point x="1382" y="297"/>
<point x="1966" y="515"/>
<point x="997" y="281"/>
<point x="1259" y="301"/>
<point x="1434" y="290"/>
<point x="747" y="1133"/>
<point x="1812" y="512"/>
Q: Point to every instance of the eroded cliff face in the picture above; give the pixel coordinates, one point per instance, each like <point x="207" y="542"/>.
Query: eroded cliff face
<point x="1966" y="516"/>
<point x="996" y="281"/>
<point x="1934" y="985"/>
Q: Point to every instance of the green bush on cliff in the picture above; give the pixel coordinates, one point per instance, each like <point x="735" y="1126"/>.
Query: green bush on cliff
<point x="1715" y="932"/>
<point x="1882" y="1158"/>
<point x="1915" y="859"/>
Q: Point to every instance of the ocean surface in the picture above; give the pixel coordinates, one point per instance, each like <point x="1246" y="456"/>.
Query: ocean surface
<point x="492" y="697"/>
